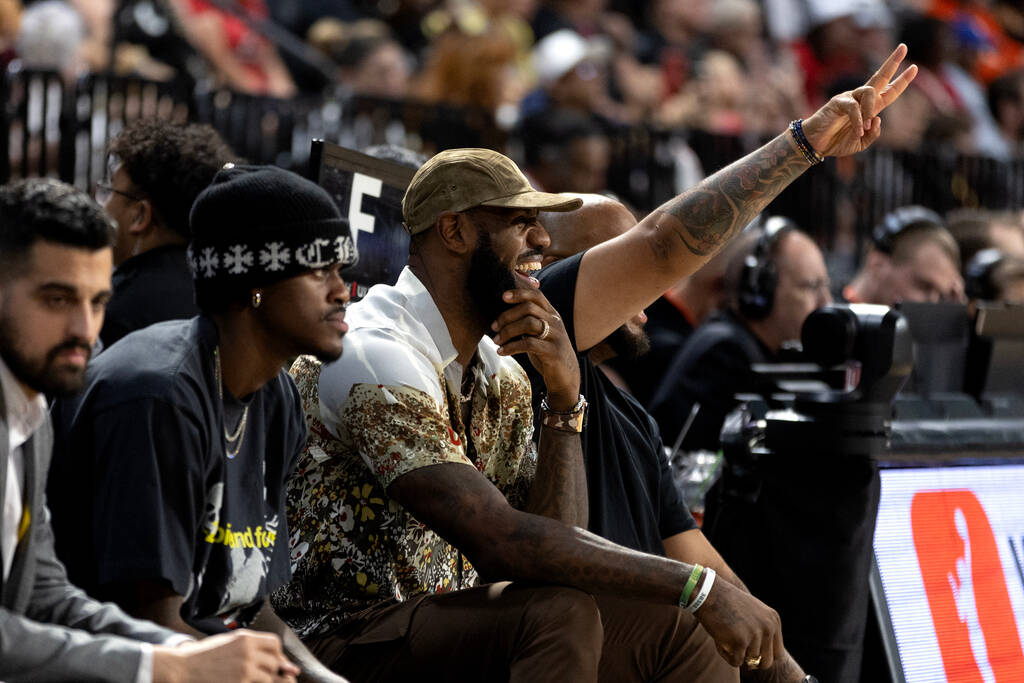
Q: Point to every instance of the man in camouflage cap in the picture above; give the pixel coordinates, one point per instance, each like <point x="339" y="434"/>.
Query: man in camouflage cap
<point x="422" y="481"/>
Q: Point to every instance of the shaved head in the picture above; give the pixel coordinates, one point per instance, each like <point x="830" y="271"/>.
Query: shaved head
<point x="598" y="220"/>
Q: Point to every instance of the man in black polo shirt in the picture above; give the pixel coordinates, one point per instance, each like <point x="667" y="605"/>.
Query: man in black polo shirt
<point x="157" y="169"/>
<point x="632" y="498"/>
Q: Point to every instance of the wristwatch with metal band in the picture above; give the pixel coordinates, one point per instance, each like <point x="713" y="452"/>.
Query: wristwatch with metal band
<point x="566" y="421"/>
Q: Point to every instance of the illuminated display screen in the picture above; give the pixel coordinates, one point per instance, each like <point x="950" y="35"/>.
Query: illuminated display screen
<point x="948" y="546"/>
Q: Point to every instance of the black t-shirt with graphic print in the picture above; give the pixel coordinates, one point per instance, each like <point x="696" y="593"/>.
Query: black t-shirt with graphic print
<point x="143" y="486"/>
<point x="633" y="499"/>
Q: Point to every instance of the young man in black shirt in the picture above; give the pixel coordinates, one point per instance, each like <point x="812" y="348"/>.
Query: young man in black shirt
<point x="157" y="169"/>
<point x="169" y="484"/>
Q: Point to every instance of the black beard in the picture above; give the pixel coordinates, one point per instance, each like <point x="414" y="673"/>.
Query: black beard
<point x="627" y="344"/>
<point x="325" y="357"/>
<point x="41" y="377"/>
<point x="488" y="278"/>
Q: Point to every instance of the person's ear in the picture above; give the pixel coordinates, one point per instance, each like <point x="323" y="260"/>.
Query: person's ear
<point x="142" y="217"/>
<point x="456" y="232"/>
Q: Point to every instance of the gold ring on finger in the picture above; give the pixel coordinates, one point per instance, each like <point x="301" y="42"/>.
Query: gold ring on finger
<point x="544" y="332"/>
<point x="753" y="662"/>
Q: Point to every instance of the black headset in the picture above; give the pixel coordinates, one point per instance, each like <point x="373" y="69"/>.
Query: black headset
<point x="978" y="282"/>
<point x="759" y="276"/>
<point x="896" y="222"/>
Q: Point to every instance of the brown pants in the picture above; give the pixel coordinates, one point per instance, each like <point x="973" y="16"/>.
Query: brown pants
<point x="523" y="634"/>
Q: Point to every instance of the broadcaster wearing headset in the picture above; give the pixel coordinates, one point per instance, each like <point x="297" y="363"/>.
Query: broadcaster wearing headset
<point x="778" y="277"/>
<point x="913" y="257"/>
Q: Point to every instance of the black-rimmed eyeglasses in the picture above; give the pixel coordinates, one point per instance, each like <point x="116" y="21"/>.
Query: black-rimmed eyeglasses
<point x="102" y="193"/>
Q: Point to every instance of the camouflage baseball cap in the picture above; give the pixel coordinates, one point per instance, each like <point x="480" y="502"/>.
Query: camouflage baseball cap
<point x="459" y="179"/>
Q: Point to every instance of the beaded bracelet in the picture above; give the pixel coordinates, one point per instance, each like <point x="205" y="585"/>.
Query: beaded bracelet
<point x="796" y="129"/>
<point x="573" y="420"/>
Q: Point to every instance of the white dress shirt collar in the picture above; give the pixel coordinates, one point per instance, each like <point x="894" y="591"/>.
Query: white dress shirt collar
<point x="398" y="337"/>
<point x="24" y="415"/>
<point x="422" y="305"/>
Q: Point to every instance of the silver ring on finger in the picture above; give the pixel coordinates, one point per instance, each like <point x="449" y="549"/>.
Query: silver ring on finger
<point x="544" y="332"/>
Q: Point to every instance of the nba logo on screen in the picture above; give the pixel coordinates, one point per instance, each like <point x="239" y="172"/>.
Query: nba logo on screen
<point x="966" y="588"/>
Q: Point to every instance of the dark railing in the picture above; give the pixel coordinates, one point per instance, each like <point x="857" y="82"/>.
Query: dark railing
<point x="62" y="130"/>
<point x="33" y="140"/>
<point x="57" y="129"/>
<point x="54" y="130"/>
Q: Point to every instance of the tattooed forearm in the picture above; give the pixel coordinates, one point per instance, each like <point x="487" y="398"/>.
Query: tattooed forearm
<point x="559" y="489"/>
<point x="535" y="549"/>
<point x="712" y="212"/>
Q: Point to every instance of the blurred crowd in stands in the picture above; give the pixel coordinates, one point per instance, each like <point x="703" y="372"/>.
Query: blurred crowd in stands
<point x="739" y="67"/>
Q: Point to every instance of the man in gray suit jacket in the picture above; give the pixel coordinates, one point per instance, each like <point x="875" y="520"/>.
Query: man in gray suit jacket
<point x="55" y="262"/>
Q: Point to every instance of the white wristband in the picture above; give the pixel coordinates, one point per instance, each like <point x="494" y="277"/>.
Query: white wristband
<point x="705" y="588"/>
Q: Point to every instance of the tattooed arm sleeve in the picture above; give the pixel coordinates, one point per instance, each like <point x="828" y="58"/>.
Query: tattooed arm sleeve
<point x="685" y="232"/>
<point x="677" y="239"/>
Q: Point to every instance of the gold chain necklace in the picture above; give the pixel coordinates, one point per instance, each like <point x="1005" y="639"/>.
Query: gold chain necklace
<point x="239" y="434"/>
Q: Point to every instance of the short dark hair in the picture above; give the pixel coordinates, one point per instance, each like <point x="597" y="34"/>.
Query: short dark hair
<point x="47" y="209"/>
<point x="171" y="163"/>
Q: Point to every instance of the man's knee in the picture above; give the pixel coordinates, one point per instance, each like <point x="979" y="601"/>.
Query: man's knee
<point x="644" y="642"/>
<point x="568" y="610"/>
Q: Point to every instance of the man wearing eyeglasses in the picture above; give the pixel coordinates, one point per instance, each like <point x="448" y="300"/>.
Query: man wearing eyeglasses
<point x="776" y="278"/>
<point x="157" y="169"/>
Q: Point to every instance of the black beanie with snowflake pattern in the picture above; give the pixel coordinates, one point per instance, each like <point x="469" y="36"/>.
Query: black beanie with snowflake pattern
<point x="256" y="225"/>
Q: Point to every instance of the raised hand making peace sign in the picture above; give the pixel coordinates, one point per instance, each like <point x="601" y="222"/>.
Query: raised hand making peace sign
<point x="849" y="122"/>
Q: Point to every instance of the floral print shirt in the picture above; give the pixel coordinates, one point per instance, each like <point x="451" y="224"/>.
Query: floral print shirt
<point x="388" y="406"/>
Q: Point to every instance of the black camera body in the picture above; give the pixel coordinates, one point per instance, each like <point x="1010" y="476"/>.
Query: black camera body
<point x="794" y="511"/>
<point x="869" y="350"/>
<point x="856" y="359"/>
